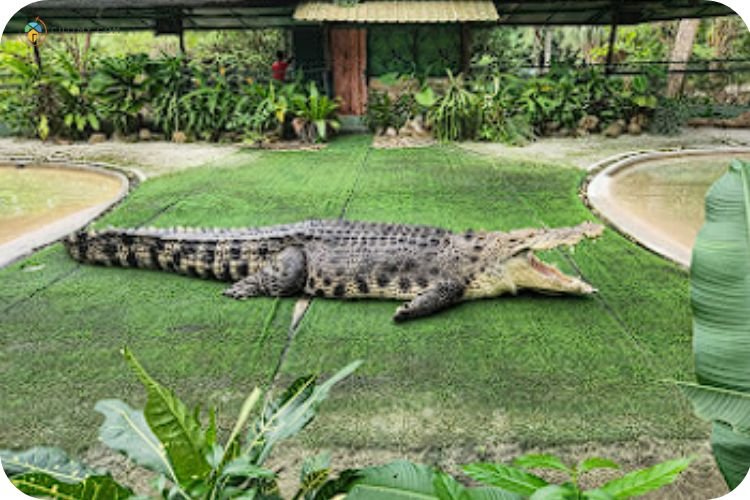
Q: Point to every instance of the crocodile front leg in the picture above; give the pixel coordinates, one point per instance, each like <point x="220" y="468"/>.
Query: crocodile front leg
<point x="432" y="300"/>
<point x="285" y="275"/>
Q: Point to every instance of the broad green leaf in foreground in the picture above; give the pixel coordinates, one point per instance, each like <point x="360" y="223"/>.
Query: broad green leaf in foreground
<point x="642" y="481"/>
<point x="720" y="299"/>
<point x="596" y="463"/>
<point x="174" y="425"/>
<point x="540" y="462"/>
<point x="397" y="480"/>
<point x="507" y="478"/>
<point x="293" y="411"/>
<point x="125" y="430"/>
<point x="722" y="405"/>
<point x="44" y="460"/>
<point x="91" y="488"/>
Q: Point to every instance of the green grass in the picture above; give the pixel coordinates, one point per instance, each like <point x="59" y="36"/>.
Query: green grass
<point x="531" y="369"/>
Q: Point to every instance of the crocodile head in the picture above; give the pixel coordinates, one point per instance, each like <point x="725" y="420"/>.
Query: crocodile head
<point x="508" y="263"/>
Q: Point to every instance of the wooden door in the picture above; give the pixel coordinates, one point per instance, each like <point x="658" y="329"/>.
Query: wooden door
<point x="349" y="61"/>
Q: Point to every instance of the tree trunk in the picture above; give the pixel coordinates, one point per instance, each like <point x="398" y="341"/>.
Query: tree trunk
<point x="683" y="48"/>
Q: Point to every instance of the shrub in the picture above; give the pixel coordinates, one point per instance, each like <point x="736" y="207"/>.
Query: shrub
<point x="119" y="89"/>
<point x="170" y="439"/>
<point x="316" y="114"/>
<point x="456" y="114"/>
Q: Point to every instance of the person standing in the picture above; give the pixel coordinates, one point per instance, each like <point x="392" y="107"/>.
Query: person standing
<point x="280" y="65"/>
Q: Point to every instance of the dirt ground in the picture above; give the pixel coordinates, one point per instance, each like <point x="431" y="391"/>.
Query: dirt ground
<point x="149" y="158"/>
<point x="585" y="151"/>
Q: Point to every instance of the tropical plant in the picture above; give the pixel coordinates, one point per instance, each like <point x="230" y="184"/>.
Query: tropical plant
<point x="168" y="80"/>
<point x="208" y="108"/>
<point x="720" y="299"/>
<point x="317" y="113"/>
<point x="65" y="107"/>
<point x="517" y="478"/>
<point x="170" y="439"/>
<point x="500" y="119"/>
<point x="669" y="117"/>
<point x="19" y="105"/>
<point x="119" y="89"/>
<point x="456" y="114"/>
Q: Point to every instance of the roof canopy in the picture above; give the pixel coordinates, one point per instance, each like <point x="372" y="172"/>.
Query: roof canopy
<point x="399" y="11"/>
<point x="169" y="16"/>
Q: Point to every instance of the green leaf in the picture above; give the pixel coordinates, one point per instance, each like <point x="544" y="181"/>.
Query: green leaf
<point x="44" y="460"/>
<point x="489" y="494"/>
<point x="68" y="120"/>
<point x="718" y="404"/>
<point x="596" y="494"/>
<point x="541" y="462"/>
<point x="172" y="423"/>
<point x="642" y="481"/>
<point x="93" y="121"/>
<point x="720" y="299"/>
<point x="596" y="463"/>
<point x="505" y="477"/>
<point x="733" y="448"/>
<point x="247" y="408"/>
<point x="295" y="409"/>
<point x="554" y="492"/>
<point x="91" y="488"/>
<point x="397" y="480"/>
<point x="125" y="430"/>
<point x="243" y="466"/>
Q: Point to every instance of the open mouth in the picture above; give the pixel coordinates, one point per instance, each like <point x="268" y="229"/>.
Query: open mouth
<point x="547" y="269"/>
<point x="560" y="281"/>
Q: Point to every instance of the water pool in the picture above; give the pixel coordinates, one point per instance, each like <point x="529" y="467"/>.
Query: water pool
<point x="40" y="199"/>
<point x="660" y="201"/>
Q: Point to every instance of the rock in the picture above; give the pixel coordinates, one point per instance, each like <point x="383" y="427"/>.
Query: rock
<point x="551" y="127"/>
<point x="391" y="132"/>
<point x="634" y="129"/>
<point x="179" y="137"/>
<point x="581" y="132"/>
<point x="62" y="141"/>
<point x="97" y="138"/>
<point x="640" y="119"/>
<point x="588" y="123"/>
<point x="417" y="127"/>
<point x="405" y="131"/>
<point x="298" y="125"/>
<point x="614" y="130"/>
<point x="144" y="134"/>
<point x="563" y="132"/>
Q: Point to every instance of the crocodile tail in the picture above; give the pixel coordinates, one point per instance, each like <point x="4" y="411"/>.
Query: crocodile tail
<point x="113" y="248"/>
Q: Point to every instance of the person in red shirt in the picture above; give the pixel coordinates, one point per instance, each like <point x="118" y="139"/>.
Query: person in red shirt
<point x="279" y="67"/>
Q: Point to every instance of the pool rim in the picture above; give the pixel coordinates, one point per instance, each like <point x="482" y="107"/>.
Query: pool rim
<point x="28" y="243"/>
<point x="596" y="194"/>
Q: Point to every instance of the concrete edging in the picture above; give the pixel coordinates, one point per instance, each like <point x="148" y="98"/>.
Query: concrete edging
<point x="28" y="243"/>
<point x="597" y="196"/>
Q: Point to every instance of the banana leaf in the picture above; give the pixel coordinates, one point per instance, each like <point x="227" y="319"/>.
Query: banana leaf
<point x="720" y="299"/>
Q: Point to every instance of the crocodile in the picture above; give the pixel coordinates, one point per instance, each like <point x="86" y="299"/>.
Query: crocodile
<point x="428" y="267"/>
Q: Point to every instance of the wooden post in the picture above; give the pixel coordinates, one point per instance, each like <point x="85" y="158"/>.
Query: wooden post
<point x="612" y="40"/>
<point x="465" y="48"/>
<point x="182" y="41"/>
<point x="37" y="57"/>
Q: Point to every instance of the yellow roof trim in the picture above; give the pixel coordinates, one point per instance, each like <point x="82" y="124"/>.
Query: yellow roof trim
<point x="398" y="11"/>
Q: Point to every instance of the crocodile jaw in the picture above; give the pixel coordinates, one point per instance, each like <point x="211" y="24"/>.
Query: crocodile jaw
<point x="529" y="272"/>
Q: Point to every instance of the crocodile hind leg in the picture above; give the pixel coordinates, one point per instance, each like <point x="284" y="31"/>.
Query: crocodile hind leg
<point x="285" y="275"/>
<point x="432" y="300"/>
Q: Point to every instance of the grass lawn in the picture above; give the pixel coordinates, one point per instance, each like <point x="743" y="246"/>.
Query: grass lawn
<point x="531" y="369"/>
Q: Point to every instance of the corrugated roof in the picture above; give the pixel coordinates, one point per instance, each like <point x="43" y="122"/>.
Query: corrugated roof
<point x="398" y="11"/>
